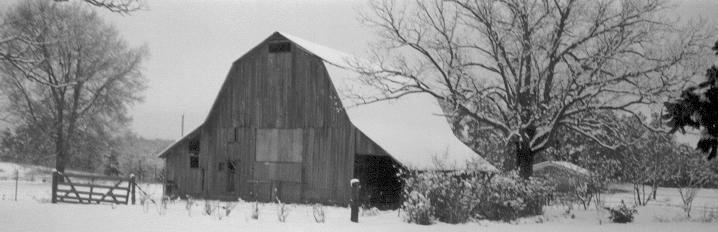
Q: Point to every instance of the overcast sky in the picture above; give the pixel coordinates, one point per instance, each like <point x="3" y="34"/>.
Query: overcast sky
<point x="193" y="43"/>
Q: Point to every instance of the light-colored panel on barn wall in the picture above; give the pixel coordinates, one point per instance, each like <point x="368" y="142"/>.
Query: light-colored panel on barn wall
<point x="273" y="171"/>
<point x="279" y="145"/>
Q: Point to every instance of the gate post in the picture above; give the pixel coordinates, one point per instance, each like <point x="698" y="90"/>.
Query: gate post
<point x="54" y="186"/>
<point x="355" y="200"/>
<point x="132" y="187"/>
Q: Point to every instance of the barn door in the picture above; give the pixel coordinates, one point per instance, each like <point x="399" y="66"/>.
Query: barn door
<point x="231" y="173"/>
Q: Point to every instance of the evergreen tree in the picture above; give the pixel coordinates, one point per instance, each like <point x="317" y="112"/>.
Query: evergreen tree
<point x="698" y="108"/>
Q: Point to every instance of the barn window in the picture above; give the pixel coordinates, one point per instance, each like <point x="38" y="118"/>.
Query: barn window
<point x="193" y="161"/>
<point x="193" y="148"/>
<point x="277" y="47"/>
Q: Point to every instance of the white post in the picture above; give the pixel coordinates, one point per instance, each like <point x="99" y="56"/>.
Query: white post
<point x="17" y="177"/>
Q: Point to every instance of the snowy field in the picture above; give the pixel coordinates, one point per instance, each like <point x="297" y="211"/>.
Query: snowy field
<point x="26" y="172"/>
<point x="32" y="212"/>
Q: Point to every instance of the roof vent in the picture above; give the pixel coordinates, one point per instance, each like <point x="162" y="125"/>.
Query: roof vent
<point x="277" y="47"/>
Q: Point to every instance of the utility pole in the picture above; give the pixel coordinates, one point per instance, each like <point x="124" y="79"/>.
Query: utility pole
<point x="182" y="130"/>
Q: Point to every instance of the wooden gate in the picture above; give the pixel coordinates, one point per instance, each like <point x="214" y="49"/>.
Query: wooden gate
<point x="89" y="189"/>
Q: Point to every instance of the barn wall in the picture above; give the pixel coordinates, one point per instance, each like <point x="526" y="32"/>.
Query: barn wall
<point x="188" y="180"/>
<point x="279" y="119"/>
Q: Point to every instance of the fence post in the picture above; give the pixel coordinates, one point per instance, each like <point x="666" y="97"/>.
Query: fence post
<point x="17" y="177"/>
<point x="354" y="203"/>
<point x="54" y="186"/>
<point x="132" y="187"/>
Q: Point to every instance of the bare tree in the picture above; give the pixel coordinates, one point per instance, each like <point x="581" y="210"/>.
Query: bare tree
<point x="647" y="160"/>
<point x="117" y="6"/>
<point x="525" y="68"/>
<point x="71" y="72"/>
<point x="689" y="174"/>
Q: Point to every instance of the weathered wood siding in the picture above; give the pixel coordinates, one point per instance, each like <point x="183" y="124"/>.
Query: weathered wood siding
<point x="188" y="180"/>
<point x="279" y="118"/>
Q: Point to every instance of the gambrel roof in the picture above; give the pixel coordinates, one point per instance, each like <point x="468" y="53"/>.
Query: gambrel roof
<point x="412" y="128"/>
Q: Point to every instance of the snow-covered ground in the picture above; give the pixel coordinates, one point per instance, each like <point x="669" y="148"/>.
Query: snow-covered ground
<point x="32" y="212"/>
<point x="27" y="172"/>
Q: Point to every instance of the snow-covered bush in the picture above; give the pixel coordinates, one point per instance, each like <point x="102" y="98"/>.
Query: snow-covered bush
<point x="366" y="211"/>
<point x="621" y="213"/>
<point x="507" y="197"/>
<point x="417" y="209"/>
<point x="441" y="196"/>
<point x="460" y="197"/>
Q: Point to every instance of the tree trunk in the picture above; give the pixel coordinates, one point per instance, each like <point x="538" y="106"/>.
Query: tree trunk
<point x="638" y="194"/>
<point x="654" y="189"/>
<point x="60" y="149"/>
<point x="524" y="159"/>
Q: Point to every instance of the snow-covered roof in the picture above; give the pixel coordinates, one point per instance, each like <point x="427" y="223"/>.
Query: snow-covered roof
<point x="568" y="166"/>
<point x="412" y="128"/>
<point x="162" y="154"/>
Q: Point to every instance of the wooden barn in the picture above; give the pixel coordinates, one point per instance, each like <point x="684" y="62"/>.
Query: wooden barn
<point x="286" y="125"/>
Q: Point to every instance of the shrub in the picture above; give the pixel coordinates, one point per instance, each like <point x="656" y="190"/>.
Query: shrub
<point x="440" y="196"/>
<point x="188" y="206"/>
<point x="508" y="197"/>
<point x="228" y="207"/>
<point x="621" y="213"/>
<point x="366" y="211"/>
<point x="162" y="208"/>
<point x="255" y="211"/>
<point x="318" y="212"/>
<point x="583" y="192"/>
<point x="417" y="209"/>
<point x="208" y="208"/>
<point x="146" y="200"/>
<point x="458" y="198"/>
<point x="282" y="212"/>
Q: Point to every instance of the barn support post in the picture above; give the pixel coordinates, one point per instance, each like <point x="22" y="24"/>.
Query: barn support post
<point x="354" y="203"/>
<point x="54" y="186"/>
<point x="132" y="187"/>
